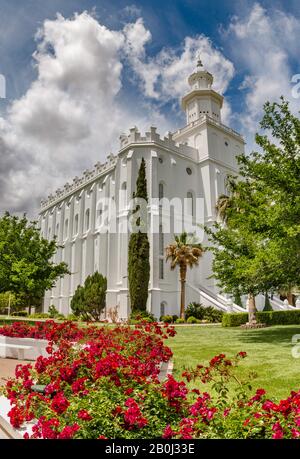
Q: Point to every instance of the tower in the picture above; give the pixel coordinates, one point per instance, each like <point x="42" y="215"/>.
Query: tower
<point x="202" y="99"/>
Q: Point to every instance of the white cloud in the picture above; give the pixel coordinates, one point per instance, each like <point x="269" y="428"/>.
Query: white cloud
<point x="262" y="44"/>
<point x="70" y="117"/>
<point x="164" y="76"/>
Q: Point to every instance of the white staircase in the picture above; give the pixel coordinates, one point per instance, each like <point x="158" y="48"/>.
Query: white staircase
<point x="225" y="302"/>
<point x="209" y="298"/>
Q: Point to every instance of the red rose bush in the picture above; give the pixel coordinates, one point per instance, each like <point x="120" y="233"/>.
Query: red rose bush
<point x="103" y="383"/>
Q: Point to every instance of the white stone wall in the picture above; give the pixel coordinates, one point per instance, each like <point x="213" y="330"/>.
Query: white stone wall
<point x="205" y="148"/>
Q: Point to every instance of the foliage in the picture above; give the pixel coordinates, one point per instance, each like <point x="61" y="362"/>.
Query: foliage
<point x="9" y="298"/>
<point x="72" y="317"/>
<point x="286" y="317"/>
<point x="257" y="248"/>
<point x="26" y="266"/>
<point x="234" y="319"/>
<point x="238" y="300"/>
<point x="180" y="321"/>
<point x="138" y="250"/>
<point x="167" y="319"/>
<point x="52" y="311"/>
<point x="141" y="316"/>
<point x="89" y="301"/>
<point x="201" y="312"/>
<point x="108" y="388"/>
<point x="183" y="253"/>
<point x="39" y="315"/>
<point x="193" y="320"/>
<point x="267" y="306"/>
<point x="19" y="314"/>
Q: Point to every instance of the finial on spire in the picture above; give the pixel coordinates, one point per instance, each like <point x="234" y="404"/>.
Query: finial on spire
<point x="199" y="62"/>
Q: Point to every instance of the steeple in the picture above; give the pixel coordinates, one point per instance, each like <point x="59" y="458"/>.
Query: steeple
<point x="202" y="99"/>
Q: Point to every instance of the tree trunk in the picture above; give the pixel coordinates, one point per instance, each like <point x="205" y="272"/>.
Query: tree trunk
<point x="251" y="308"/>
<point x="182" y="296"/>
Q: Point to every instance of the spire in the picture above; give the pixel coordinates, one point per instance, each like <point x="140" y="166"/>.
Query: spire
<point x="199" y="62"/>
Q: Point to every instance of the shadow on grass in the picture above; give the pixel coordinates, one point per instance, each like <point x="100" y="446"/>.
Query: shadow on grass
<point x="276" y="335"/>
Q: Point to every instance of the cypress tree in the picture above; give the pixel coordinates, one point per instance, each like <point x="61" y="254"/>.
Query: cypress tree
<point x="138" y="252"/>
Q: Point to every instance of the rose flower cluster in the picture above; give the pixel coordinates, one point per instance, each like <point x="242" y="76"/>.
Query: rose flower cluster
<point x="103" y="382"/>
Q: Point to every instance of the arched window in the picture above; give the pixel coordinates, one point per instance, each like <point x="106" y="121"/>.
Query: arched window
<point x="190" y="203"/>
<point x="76" y="224"/>
<point x="87" y="219"/>
<point x="66" y="229"/>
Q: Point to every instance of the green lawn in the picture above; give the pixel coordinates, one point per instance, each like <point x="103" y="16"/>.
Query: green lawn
<point x="268" y="349"/>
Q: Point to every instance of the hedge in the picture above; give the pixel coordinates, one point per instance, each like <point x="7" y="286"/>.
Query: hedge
<point x="287" y="317"/>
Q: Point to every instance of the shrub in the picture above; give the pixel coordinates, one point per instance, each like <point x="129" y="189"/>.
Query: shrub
<point x="60" y="317"/>
<point x="179" y="321"/>
<point x="288" y="317"/>
<point x="213" y="315"/>
<point x="19" y="314"/>
<point x="195" y="310"/>
<point x="109" y="389"/>
<point x="234" y="319"/>
<point x="166" y="319"/>
<point x="193" y="320"/>
<point x="52" y="311"/>
<point x="72" y="317"/>
<point x="88" y="301"/>
<point x="141" y="316"/>
<point x="174" y="318"/>
<point x="200" y="312"/>
<point x="39" y="315"/>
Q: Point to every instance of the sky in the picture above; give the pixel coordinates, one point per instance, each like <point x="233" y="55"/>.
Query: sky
<point x="78" y="73"/>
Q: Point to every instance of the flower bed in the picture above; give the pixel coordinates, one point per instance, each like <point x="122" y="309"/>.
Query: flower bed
<point x="109" y="388"/>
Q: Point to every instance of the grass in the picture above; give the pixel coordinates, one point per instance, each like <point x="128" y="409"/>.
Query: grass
<point x="269" y="353"/>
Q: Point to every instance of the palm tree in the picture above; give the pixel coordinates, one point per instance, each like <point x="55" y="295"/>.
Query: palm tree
<point x="226" y="202"/>
<point x="223" y="204"/>
<point x="183" y="253"/>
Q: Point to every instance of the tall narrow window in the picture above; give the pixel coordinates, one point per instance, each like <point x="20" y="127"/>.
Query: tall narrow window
<point x="123" y="195"/>
<point x="99" y="215"/>
<point x="66" y="229"/>
<point x="57" y="230"/>
<point x="161" y="190"/>
<point x="87" y="220"/>
<point x="190" y="203"/>
<point x="161" y="268"/>
<point x="161" y="240"/>
<point x="76" y="224"/>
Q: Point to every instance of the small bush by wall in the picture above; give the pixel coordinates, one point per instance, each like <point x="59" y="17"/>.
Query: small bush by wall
<point x="288" y="317"/>
<point x="200" y="312"/>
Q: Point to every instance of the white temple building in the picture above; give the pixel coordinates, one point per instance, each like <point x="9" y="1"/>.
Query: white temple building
<point x="192" y="162"/>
